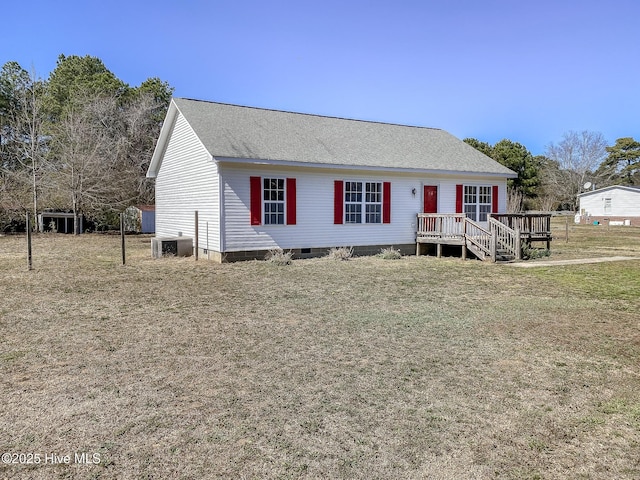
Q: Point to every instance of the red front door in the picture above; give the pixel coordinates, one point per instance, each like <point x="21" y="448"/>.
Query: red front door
<point x="430" y="199"/>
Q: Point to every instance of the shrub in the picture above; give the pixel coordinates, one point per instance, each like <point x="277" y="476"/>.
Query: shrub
<point x="340" y="253"/>
<point x="279" y="257"/>
<point x="390" y="254"/>
<point x="530" y="253"/>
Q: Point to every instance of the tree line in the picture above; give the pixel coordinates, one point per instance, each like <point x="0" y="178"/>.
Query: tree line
<point x="552" y="181"/>
<point x="79" y="141"/>
<point x="82" y="139"/>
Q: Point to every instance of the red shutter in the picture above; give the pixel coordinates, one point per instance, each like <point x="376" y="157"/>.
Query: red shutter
<point x="291" y="201"/>
<point x="338" y="202"/>
<point x="494" y="200"/>
<point x="255" y="200"/>
<point x="459" y="189"/>
<point x="386" y="202"/>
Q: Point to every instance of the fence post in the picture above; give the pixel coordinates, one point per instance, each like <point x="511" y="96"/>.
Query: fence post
<point x="122" y="244"/>
<point x="196" y="235"/>
<point x="29" y="257"/>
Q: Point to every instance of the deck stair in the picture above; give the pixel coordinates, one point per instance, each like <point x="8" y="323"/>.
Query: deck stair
<point x="500" y="240"/>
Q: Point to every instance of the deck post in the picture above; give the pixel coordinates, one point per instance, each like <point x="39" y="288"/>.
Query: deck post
<point x="518" y="245"/>
<point x="439" y="250"/>
<point x="464" y="238"/>
<point x="493" y="247"/>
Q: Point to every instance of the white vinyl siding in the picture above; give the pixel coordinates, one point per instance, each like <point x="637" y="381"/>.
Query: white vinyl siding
<point x="315" y="204"/>
<point x="614" y="201"/>
<point x="188" y="181"/>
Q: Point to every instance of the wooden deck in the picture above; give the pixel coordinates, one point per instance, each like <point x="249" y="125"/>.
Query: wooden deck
<point x="533" y="227"/>
<point x="502" y="239"/>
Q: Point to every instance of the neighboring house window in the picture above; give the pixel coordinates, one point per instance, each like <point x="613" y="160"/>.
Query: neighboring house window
<point x="272" y="201"/>
<point x="362" y="202"/>
<point x="607" y="205"/>
<point x="478" y="202"/>
<point x="273" y="196"/>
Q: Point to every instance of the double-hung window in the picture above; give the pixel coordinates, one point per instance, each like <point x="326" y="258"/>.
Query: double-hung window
<point x="477" y="202"/>
<point x="373" y="202"/>
<point x="363" y="202"/>
<point x="272" y="201"/>
<point x="273" y="196"/>
<point x="353" y="202"/>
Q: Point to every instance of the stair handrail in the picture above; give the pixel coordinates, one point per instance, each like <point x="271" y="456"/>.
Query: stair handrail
<point x="480" y="237"/>
<point x="506" y="238"/>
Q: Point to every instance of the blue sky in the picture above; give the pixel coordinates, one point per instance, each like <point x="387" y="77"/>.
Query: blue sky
<point x="491" y="69"/>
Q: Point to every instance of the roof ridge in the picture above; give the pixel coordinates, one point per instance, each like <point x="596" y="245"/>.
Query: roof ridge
<point x="307" y="114"/>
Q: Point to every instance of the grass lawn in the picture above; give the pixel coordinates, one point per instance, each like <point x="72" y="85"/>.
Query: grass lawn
<point x="367" y="368"/>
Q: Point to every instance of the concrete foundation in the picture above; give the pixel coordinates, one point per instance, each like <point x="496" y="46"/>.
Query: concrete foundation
<point x="224" y="257"/>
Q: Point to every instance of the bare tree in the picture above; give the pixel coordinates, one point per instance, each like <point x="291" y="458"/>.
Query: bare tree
<point x="140" y="128"/>
<point x="29" y="124"/>
<point x="102" y="145"/>
<point x="85" y="157"/>
<point x="577" y="156"/>
<point x="23" y="138"/>
<point x="515" y="200"/>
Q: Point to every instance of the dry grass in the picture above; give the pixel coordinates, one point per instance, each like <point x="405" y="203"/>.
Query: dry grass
<point x="592" y="241"/>
<point x="418" y="368"/>
<point x="340" y="253"/>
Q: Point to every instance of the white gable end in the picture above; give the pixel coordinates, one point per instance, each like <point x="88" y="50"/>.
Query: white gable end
<point x="187" y="181"/>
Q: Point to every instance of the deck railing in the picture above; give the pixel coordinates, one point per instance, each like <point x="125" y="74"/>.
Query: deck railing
<point x="441" y="225"/>
<point x="480" y="237"/>
<point x="506" y="238"/>
<point x="506" y="232"/>
<point x="532" y="224"/>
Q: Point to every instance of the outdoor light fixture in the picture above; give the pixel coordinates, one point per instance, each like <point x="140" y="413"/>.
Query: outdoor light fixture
<point x="413" y="192"/>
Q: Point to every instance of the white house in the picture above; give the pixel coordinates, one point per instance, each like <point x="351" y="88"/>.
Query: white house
<point x="263" y="179"/>
<point x="617" y="205"/>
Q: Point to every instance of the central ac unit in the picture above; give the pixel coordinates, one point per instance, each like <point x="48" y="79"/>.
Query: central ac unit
<point x="171" y="246"/>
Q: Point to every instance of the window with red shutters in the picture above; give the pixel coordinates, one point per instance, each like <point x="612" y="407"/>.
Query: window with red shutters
<point x="272" y="201"/>
<point x="361" y="202"/>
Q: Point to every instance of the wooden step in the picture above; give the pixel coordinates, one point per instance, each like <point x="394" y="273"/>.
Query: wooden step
<point x="477" y="252"/>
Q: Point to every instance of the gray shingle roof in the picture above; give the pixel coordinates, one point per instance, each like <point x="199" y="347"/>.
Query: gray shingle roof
<point x="231" y="131"/>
